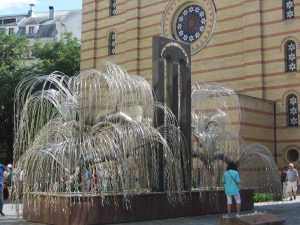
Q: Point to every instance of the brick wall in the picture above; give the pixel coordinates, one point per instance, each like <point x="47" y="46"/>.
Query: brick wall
<point x="246" y="53"/>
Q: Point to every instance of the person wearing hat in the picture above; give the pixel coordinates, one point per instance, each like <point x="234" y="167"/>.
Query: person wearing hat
<point x="231" y="179"/>
<point x="2" y="168"/>
<point x="9" y="175"/>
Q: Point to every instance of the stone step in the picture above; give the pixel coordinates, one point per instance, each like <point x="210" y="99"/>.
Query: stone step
<point x="262" y="219"/>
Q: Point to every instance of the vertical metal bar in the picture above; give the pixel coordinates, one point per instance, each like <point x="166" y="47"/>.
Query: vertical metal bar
<point x="185" y="118"/>
<point x="158" y="66"/>
<point x="172" y="87"/>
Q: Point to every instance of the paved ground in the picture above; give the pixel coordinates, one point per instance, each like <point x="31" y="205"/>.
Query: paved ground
<point x="288" y="210"/>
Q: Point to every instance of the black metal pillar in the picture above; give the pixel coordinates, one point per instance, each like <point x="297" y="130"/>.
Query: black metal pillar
<point x="176" y="54"/>
<point x="158" y="87"/>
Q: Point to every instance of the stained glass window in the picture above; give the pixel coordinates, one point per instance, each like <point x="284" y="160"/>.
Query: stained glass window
<point x="113" y="7"/>
<point x="190" y="23"/>
<point x="112" y="44"/>
<point x="292" y="110"/>
<point x="291" y="57"/>
<point x="289" y="12"/>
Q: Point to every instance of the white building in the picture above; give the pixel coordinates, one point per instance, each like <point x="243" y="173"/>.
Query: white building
<point x="43" y="26"/>
<point x="52" y="24"/>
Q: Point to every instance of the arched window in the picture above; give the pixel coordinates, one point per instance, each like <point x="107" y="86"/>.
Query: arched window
<point x="292" y="110"/>
<point x="112" y="44"/>
<point x="288" y="6"/>
<point x="113" y="7"/>
<point x="290" y="56"/>
<point x="292" y="155"/>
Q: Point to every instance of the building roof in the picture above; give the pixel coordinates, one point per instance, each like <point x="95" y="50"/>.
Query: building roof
<point x="43" y="17"/>
<point x="11" y="20"/>
<point x="45" y="26"/>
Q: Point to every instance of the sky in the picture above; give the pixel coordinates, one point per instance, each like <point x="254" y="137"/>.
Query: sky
<point x="22" y="6"/>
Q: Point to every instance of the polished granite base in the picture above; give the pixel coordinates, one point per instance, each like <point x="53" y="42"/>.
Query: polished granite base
<point x="73" y="210"/>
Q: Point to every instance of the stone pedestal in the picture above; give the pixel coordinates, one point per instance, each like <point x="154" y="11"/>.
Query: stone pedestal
<point x="264" y="219"/>
<point x="146" y="206"/>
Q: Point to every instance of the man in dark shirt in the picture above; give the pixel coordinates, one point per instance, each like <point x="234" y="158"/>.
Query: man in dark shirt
<point x="283" y="181"/>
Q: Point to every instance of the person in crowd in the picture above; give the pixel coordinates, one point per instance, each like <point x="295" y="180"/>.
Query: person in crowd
<point x="231" y="179"/>
<point x="88" y="177"/>
<point x="8" y="178"/>
<point x="292" y="177"/>
<point x="9" y="175"/>
<point x="2" y="169"/>
<point x="21" y="182"/>
<point x="283" y="181"/>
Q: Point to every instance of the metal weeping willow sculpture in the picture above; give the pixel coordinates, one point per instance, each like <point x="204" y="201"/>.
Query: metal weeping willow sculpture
<point x="93" y="134"/>
<point x="216" y="119"/>
<point x="214" y="110"/>
<point x="102" y="134"/>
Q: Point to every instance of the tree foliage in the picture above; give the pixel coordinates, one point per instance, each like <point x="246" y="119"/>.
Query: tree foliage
<point x="13" y="52"/>
<point x="63" y="56"/>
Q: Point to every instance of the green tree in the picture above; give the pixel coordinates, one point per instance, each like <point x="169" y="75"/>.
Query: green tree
<point x="63" y="56"/>
<point x="13" y="51"/>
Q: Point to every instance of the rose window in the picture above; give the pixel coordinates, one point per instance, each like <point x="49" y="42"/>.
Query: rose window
<point x="190" y="23"/>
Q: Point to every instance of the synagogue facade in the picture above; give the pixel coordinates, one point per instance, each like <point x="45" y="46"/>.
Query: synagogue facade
<point x="250" y="46"/>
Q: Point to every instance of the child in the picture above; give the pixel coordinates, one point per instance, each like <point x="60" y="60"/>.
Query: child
<point x="231" y="179"/>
